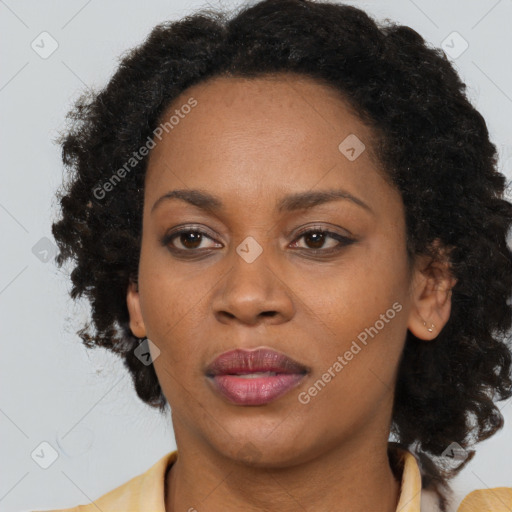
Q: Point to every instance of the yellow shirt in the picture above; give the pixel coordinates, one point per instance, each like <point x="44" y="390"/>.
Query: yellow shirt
<point x="145" y="492"/>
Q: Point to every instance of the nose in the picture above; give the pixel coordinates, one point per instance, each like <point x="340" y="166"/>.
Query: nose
<point x="252" y="293"/>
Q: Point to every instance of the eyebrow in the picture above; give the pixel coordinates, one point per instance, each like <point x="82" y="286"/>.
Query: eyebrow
<point x="298" y="201"/>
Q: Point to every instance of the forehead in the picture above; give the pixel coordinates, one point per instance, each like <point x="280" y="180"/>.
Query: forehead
<point x="293" y="106"/>
<point x="279" y="131"/>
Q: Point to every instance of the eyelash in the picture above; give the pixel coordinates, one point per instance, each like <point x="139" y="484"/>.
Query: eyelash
<point x="343" y="240"/>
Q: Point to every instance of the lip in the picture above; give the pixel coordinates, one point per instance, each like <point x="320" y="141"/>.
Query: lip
<point x="279" y="374"/>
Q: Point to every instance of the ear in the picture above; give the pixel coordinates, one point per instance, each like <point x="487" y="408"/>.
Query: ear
<point x="431" y="292"/>
<point x="133" y="302"/>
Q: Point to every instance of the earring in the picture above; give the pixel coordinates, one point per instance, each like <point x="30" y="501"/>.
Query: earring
<point x="429" y="329"/>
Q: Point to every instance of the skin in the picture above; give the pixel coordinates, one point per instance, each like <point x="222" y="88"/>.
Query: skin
<point x="250" y="142"/>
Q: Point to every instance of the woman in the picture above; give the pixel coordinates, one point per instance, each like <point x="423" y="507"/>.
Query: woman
<point x="291" y="227"/>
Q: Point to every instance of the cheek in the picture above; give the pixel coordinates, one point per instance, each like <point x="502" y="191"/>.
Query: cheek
<point x="352" y="293"/>
<point x="359" y="309"/>
<point x="175" y="308"/>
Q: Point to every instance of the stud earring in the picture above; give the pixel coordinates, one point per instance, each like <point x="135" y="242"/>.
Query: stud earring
<point x="429" y="329"/>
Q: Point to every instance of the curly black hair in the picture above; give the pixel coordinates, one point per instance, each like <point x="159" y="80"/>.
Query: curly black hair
<point x="433" y="144"/>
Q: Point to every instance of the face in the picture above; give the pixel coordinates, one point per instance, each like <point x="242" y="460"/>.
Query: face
<point x="324" y="280"/>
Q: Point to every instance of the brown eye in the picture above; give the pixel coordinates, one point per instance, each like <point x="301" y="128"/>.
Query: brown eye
<point x="316" y="238"/>
<point x="190" y="239"/>
<point x="187" y="240"/>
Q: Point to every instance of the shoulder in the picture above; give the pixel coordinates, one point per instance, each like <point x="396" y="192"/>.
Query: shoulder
<point x="497" y="499"/>
<point x="142" y="493"/>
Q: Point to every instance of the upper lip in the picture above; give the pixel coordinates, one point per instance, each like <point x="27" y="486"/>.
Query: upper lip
<point x="241" y="361"/>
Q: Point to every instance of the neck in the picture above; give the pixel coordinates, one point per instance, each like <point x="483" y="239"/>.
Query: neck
<point x="355" y="477"/>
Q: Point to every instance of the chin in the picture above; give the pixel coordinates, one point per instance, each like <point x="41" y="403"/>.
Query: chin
<point x="252" y="448"/>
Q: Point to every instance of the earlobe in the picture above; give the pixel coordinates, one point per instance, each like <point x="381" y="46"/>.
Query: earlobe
<point x="133" y="303"/>
<point x="431" y="297"/>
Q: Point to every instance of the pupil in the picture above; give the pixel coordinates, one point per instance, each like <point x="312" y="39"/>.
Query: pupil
<point x="195" y="237"/>
<point x="319" y="239"/>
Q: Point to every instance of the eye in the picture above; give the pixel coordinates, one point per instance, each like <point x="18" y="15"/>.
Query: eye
<point x="189" y="239"/>
<point x="316" y="237"/>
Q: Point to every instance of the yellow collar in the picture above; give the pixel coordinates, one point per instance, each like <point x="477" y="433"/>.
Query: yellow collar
<point x="410" y="486"/>
<point x="145" y="492"/>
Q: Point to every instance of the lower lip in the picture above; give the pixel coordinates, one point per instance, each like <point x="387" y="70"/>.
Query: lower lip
<point x="257" y="390"/>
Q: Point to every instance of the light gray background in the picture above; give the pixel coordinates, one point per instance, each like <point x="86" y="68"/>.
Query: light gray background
<point x="81" y="402"/>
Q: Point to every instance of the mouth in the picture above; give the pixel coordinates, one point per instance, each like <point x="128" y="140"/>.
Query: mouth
<point x="254" y="377"/>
